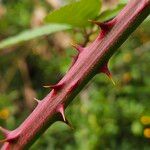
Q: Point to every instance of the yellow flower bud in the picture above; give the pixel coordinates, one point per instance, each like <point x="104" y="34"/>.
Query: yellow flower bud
<point x="4" y="113"/>
<point x="147" y="132"/>
<point x="145" y="120"/>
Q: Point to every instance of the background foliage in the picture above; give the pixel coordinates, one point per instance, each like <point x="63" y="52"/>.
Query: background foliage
<point x="103" y="116"/>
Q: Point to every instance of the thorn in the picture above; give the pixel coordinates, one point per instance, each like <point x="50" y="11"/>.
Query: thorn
<point x="106" y="71"/>
<point x="77" y="47"/>
<point x="60" y="109"/>
<point x="69" y="124"/>
<point x="113" y="82"/>
<point x="106" y="26"/>
<point x="4" y="131"/>
<point x="13" y="136"/>
<point x="55" y="87"/>
<point x="38" y="101"/>
<point x="9" y="135"/>
<point x="95" y="22"/>
<point x="46" y="86"/>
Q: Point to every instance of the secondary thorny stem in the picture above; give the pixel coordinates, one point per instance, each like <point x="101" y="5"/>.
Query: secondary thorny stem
<point x="90" y="61"/>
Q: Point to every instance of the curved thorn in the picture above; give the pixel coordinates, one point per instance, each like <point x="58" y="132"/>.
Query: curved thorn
<point x="46" y="86"/>
<point x="38" y="101"/>
<point x="106" y="25"/>
<point x="10" y="136"/>
<point x="13" y="136"/>
<point x="95" y="22"/>
<point x="103" y="26"/>
<point x="77" y="47"/>
<point x="110" y="77"/>
<point x="106" y="71"/>
<point x="69" y="124"/>
<point x="60" y="109"/>
<point x="111" y="23"/>
<point x="4" y="131"/>
<point x="55" y="87"/>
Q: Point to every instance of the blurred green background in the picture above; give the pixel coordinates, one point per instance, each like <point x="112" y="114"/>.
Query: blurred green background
<point x="104" y="116"/>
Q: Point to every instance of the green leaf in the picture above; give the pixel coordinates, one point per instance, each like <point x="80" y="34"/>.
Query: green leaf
<point x="110" y="13"/>
<point x="32" y="34"/>
<point x="123" y="1"/>
<point x="76" y="14"/>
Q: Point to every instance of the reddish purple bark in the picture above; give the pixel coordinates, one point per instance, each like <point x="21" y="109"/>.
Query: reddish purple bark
<point x="89" y="62"/>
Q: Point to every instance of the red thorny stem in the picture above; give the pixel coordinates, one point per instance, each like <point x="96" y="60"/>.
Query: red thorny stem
<point x="90" y="61"/>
